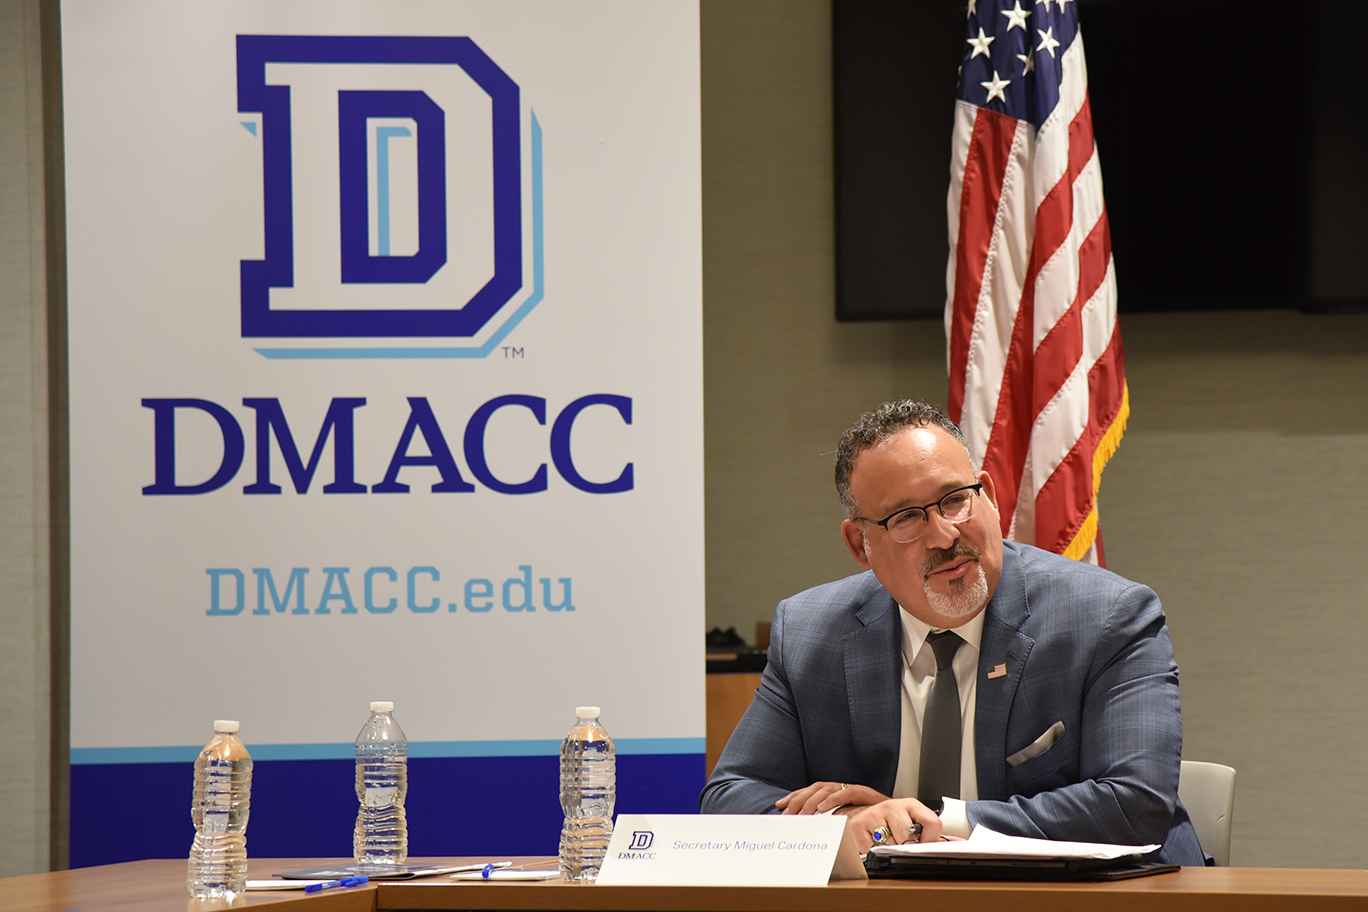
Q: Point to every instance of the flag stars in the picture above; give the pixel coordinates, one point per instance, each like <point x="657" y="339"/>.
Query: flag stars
<point x="1047" y="40"/>
<point x="980" y="45"/>
<point x="1016" y="16"/>
<point x="1027" y="63"/>
<point x="973" y="8"/>
<point x="995" y="87"/>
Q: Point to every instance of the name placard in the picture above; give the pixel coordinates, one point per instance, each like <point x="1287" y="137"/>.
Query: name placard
<point x="730" y="850"/>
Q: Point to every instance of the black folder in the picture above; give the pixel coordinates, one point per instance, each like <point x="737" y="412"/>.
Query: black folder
<point x="945" y="867"/>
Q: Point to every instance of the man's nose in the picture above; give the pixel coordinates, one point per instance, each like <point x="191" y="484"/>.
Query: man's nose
<point x="941" y="533"/>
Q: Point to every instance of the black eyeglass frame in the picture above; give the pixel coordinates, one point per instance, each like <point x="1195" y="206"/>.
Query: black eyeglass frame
<point x="926" y="511"/>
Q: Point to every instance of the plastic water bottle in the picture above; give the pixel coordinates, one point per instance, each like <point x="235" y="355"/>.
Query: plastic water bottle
<point x="588" y="789"/>
<point x="381" y="836"/>
<point x="222" y="799"/>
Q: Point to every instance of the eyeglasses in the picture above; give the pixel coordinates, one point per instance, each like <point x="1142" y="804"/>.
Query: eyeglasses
<point x="909" y="523"/>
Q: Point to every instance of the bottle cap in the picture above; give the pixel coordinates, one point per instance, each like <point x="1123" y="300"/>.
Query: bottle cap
<point x="225" y="725"/>
<point x="382" y="707"/>
<point x="587" y="712"/>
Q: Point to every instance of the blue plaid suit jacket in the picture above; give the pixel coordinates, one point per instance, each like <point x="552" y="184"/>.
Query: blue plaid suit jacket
<point x="1080" y="645"/>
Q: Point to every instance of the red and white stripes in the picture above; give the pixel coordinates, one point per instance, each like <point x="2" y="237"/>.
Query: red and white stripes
<point x="1036" y="370"/>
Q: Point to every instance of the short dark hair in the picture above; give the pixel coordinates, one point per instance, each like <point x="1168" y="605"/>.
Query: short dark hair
<point x="879" y="425"/>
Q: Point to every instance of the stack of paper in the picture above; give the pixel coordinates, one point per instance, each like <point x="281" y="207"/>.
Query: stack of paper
<point x="986" y="843"/>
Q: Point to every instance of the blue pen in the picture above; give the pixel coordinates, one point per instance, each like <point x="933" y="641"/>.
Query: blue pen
<point x="344" y="882"/>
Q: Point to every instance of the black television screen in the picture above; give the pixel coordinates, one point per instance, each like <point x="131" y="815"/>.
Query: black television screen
<point x="1232" y="161"/>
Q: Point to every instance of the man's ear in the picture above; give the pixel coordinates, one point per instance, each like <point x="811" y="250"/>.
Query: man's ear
<point x="989" y="491"/>
<point x="853" y="535"/>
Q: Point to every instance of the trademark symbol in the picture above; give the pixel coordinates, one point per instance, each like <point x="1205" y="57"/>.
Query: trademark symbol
<point x="511" y="352"/>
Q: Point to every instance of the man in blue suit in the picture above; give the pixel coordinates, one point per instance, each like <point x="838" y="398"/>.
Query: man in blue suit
<point x="1067" y="683"/>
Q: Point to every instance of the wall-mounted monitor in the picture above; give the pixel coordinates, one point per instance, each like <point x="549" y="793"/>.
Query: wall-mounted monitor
<point x="1234" y="165"/>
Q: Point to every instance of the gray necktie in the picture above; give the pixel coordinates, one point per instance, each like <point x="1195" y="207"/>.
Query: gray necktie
<point x="939" y="773"/>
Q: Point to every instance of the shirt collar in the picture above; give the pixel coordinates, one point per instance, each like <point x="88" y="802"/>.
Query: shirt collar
<point x="915" y="630"/>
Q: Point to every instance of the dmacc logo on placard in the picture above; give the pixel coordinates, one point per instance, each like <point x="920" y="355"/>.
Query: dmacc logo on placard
<point x="393" y="197"/>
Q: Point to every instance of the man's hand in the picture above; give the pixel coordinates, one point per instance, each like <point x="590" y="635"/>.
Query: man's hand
<point x="897" y="814"/>
<point x="821" y="797"/>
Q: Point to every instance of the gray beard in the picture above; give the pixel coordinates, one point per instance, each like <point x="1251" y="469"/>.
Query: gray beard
<point x="965" y="597"/>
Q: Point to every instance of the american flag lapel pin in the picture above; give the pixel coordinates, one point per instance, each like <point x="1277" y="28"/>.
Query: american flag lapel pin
<point x="999" y="671"/>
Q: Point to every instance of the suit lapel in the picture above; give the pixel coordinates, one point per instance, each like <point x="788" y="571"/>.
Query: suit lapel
<point x="873" y="672"/>
<point x="1003" y="649"/>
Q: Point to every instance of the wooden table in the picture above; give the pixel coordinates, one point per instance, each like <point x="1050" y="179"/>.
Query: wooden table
<point x="159" y="886"/>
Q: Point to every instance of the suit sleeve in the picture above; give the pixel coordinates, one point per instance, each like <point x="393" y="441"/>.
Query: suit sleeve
<point x="764" y="759"/>
<point x="1115" y="778"/>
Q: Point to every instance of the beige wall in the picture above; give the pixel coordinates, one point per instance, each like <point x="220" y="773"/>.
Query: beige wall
<point x="25" y="650"/>
<point x="1246" y="429"/>
<point x="1239" y="495"/>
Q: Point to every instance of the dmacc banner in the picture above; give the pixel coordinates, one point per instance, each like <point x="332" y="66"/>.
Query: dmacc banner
<point x="385" y="356"/>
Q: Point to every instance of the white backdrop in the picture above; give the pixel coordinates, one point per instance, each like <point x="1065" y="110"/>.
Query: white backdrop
<point x="485" y="616"/>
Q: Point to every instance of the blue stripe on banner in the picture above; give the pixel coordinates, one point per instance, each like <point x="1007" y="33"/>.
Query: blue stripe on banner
<point x="472" y="805"/>
<point x="86" y="756"/>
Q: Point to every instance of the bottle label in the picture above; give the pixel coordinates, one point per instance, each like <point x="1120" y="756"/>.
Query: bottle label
<point x="380" y="797"/>
<point x="215" y="823"/>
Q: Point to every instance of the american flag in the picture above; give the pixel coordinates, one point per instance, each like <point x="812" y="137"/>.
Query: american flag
<point x="1036" y="373"/>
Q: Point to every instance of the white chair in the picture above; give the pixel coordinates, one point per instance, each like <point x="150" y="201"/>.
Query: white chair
<point x="1207" y="790"/>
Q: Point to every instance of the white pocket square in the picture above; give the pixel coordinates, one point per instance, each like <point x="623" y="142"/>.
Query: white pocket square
<point x="1038" y="746"/>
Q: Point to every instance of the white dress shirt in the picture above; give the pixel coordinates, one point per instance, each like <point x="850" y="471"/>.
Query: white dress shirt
<point x="919" y="672"/>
